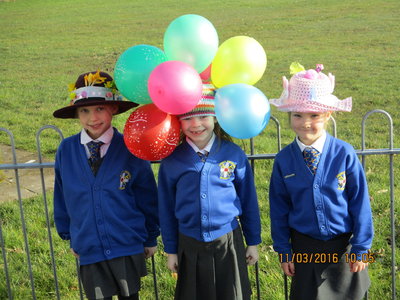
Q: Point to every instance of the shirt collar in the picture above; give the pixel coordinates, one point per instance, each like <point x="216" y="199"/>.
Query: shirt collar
<point x="318" y="144"/>
<point x="206" y="149"/>
<point x="106" y="137"/>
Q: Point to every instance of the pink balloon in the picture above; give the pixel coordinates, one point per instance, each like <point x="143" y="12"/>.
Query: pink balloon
<point x="175" y="87"/>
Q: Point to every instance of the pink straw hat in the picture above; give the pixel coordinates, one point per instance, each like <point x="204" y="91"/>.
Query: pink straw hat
<point x="310" y="91"/>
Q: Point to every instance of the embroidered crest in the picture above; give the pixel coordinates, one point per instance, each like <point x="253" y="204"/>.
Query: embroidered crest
<point x="341" y="180"/>
<point x="124" y="179"/>
<point x="226" y="169"/>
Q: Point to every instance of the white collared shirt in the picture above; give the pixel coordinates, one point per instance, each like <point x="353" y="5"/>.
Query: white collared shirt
<point x="106" y="138"/>
<point x="318" y="144"/>
<point x="206" y="149"/>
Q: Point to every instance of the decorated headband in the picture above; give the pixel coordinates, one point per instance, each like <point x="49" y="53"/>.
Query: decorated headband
<point x="93" y="92"/>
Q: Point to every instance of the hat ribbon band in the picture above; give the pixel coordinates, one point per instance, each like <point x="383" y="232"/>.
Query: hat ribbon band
<point x="88" y="92"/>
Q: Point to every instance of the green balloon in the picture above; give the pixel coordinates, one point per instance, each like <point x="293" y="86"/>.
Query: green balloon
<point x="132" y="71"/>
<point x="191" y="39"/>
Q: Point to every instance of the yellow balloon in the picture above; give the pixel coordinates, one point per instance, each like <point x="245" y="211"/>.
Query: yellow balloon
<point x="240" y="59"/>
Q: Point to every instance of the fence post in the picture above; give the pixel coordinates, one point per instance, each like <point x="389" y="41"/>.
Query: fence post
<point x="21" y="209"/>
<point x="391" y="184"/>
<point x="53" y="262"/>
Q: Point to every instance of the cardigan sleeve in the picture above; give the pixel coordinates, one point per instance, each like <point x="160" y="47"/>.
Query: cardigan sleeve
<point x="246" y="191"/>
<point x="279" y="201"/>
<point x="145" y="190"/>
<point x="168" y="221"/>
<point x="61" y="216"/>
<point x="359" y="206"/>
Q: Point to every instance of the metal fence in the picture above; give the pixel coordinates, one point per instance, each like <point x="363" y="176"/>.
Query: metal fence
<point x="40" y="165"/>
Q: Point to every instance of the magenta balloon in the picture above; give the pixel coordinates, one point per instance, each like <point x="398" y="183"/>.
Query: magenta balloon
<point x="175" y="87"/>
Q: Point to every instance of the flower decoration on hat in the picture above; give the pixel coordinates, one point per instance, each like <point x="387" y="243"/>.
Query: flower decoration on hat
<point x="95" y="86"/>
<point x="296" y="67"/>
<point x="93" y="79"/>
<point x="112" y="86"/>
<point x="310" y="91"/>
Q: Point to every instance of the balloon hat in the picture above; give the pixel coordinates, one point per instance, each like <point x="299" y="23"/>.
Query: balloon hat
<point x="310" y="91"/>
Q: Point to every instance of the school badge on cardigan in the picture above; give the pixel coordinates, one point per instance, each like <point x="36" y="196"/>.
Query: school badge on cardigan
<point x="226" y="169"/>
<point x="124" y="179"/>
<point x="341" y="180"/>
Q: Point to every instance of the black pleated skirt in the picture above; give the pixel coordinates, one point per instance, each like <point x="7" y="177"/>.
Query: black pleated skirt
<point x="324" y="278"/>
<point x="118" y="276"/>
<point x="214" y="270"/>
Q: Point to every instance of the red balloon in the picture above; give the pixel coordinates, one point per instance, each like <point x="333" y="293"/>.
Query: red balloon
<point x="150" y="133"/>
<point x="206" y="74"/>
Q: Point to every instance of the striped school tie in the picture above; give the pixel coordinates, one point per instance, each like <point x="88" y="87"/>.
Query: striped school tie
<point x="202" y="156"/>
<point x="311" y="158"/>
<point x="94" y="150"/>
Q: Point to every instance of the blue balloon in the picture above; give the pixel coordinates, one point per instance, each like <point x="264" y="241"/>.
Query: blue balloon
<point x="242" y="110"/>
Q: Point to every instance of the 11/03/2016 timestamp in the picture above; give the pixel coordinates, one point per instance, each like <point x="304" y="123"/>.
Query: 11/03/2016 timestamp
<point x="322" y="258"/>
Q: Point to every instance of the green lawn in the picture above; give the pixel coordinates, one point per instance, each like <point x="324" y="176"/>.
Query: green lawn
<point x="45" y="44"/>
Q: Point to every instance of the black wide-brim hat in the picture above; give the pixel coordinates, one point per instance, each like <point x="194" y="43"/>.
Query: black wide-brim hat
<point x="93" y="88"/>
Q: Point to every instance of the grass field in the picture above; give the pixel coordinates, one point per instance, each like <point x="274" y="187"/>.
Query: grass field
<point x="45" y="44"/>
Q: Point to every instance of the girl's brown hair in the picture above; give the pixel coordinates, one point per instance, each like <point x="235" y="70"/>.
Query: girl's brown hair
<point x="219" y="132"/>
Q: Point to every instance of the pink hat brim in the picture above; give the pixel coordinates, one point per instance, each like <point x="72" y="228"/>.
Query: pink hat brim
<point x="330" y="103"/>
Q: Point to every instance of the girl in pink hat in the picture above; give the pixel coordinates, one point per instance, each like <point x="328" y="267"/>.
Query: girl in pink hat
<point x="320" y="212"/>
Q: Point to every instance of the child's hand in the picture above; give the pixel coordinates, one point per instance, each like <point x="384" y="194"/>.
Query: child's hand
<point x="357" y="266"/>
<point x="74" y="253"/>
<point x="149" y="251"/>
<point x="288" y="268"/>
<point x="251" y="255"/>
<point x="172" y="262"/>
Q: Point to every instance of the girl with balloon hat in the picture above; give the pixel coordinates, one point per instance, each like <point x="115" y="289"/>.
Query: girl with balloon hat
<point x="321" y="222"/>
<point x="105" y="199"/>
<point x="205" y="189"/>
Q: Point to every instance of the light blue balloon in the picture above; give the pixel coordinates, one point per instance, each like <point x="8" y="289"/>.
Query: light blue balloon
<point x="132" y="71"/>
<point x="242" y="110"/>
